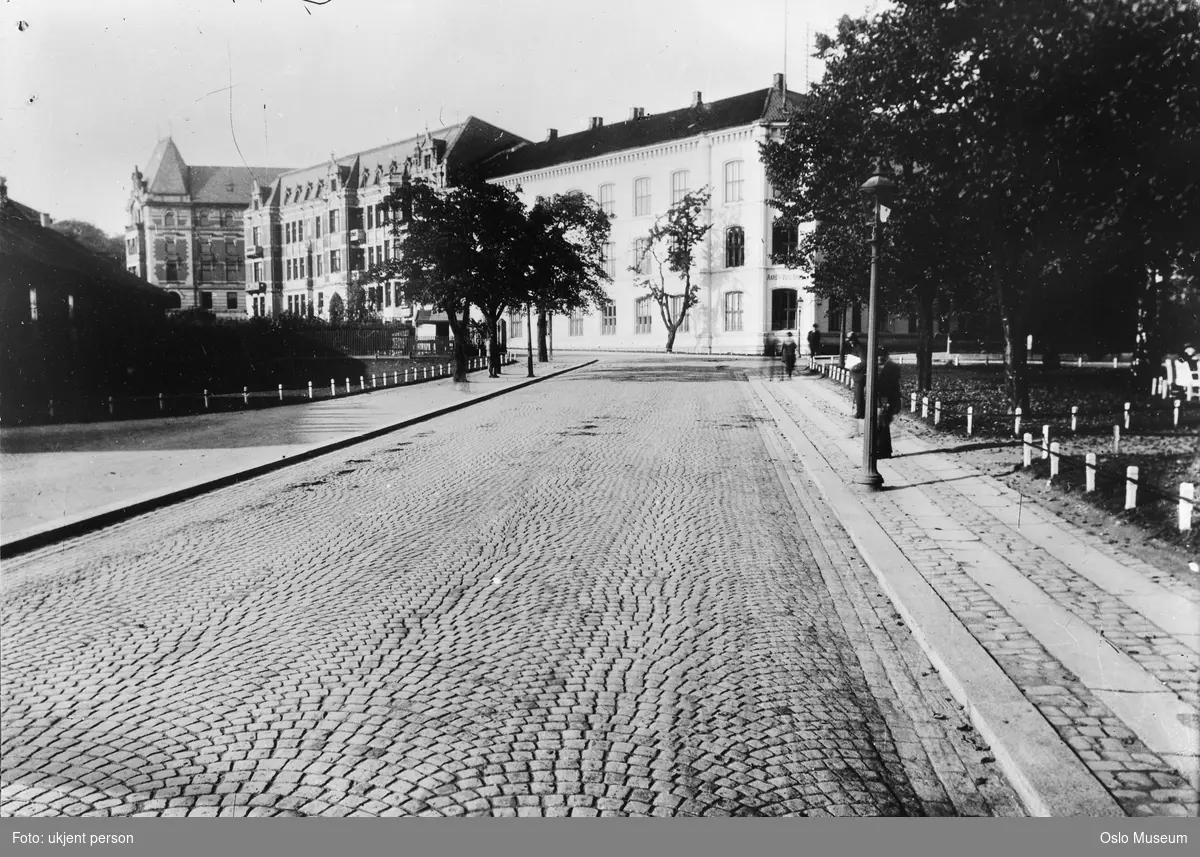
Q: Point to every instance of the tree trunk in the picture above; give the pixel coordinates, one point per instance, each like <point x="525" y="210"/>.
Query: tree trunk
<point x="1016" y="367"/>
<point x="925" y="300"/>
<point x="461" y="332"/>
<point x="542" y="324"/>
<point x="493" y="348"/>
<point x="842" y="342"/>
<point x="671" y="337"/>
<point x="1147" y="351"/>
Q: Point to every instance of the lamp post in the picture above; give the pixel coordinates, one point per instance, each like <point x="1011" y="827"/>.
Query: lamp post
<point x="529" y="336"/>
<point x="878" y="187"/>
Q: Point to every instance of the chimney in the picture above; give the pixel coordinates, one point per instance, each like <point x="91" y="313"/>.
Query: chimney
<point x="46" y="220"/>
<point x="637" y="113"/>
<point x="595" y="122"/>
<point x="696" y="99"/>
<point x="3" y="190"/>
<point x="779" y="83"/>
<point x="551" y="134"/>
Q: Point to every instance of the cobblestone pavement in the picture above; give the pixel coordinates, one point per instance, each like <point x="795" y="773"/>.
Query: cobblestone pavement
<point x="1142" y="781"/>
<point x="597" y="596"/>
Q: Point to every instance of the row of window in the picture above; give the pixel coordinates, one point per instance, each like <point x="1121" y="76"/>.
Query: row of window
<point x="643" y="313"/>
<point x="734" y="186"/>
<point x="204" y="217"/>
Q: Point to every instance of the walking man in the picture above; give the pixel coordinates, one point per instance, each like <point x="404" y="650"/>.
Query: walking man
<point x="856" y="360"/>
<point x="887" y="400"/>
<point x="789" y="354"/>
<point x="814" y="341"/>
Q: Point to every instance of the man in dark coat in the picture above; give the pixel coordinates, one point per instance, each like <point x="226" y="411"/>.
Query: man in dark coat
<point x="814" y="341"/>
<point x="789" y="354"/>
<point x="888" y="398"/>
<point x="858" y="374"/>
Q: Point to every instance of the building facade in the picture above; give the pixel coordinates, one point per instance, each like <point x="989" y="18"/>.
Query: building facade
<point x="310" y="233"/>
<point x="636" y="170"/>
<point x="184" y="230"/>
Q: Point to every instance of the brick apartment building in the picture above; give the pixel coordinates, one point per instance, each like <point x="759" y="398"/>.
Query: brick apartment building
<point x="310" y="233"/>
<point x="184" y="230"/>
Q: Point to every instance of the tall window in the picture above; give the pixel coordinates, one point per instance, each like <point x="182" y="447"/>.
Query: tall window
<point x="320" y="264"/>
<point x="735" y="247"/>
<point x="679" y="186"/>
<point x="607" y="192"/>
<point x="206" y="300"/>
<point x="320" y="303"/>
<point x="370" y="217"/>
<point x="172" y="272"/>
<point x="317" y="227"/>
<point x="642" y="315"/>
<point x="785" y="237"/>
<point x="299" y="230"/>
<point x="335" y="261"/>
<point x="609" y="258"/>
<point x="733" y="181"/>
<point x="641" y="255"/>
<point x="334" y="221"/>
<point x="641" y="197"/>
<point x="676" y="310"/>
<point x="258" y="272"/>
<point x="254" y="236"/>
<point x="733" y="311"/>
<point x="608" y="322"/>
<point x="169" y="220"/>
<point x="287" y="233"/>
<point x="784" y="303"/>
<point x="514" y="325"/>
<point x="231" y="301"/>
<point x="576" y="324"/>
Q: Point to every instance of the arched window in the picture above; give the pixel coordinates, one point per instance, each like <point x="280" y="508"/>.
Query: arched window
<point x="784" y="304"/>
<point x="607" y="192"/>
<point x="733" y="311"/>
<point x="679" y="186"/>
<point x="735" y="247"/>
<point x="641" y="197"/>
<point x="733" y="181"/>
<point x="174" y="301"/>
<point x="169" y="220"/>
<point x="785" y="237"/>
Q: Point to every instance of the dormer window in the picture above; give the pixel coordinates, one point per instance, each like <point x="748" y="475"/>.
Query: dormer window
<point x="333" y="185"/>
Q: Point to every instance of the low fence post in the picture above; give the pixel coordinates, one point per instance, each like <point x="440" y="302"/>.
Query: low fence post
<point x="281" y="392"/>
<point x="1131" y="475"/>
<point x="245" y="395"/>
<point x="1187" y="499"/>
<point x="362" y="383"/>
<point x="1074" y="418"/>
<point x="1027" y="450"/>
<point x="1116" y="439"/>
<point x="1017" y="422"/>
<point x="206" y="400"/>
<point x="1078" y="361"/>
<point x="924" y="407"/>
<point x="332" y="388"/>
<point x="51" y="409"/>
<point x="1089" y="472"/>
<point x="937" y="412"/>
<point x="1054" y="460"/>
<point x="1127" y="416"/>
<point x="1176" y="416"/>
<point x="160" y="402"/>
<point x="373" y="384"/>
<point x="970" y="417"/>
<point x="111" y="406"/>
<point x="913" y="408"/>
<point x="347" y="386"/>
<point x="310" y="389"/>
<point x="1045" y="442"/>
<point x="1114" y="362"/>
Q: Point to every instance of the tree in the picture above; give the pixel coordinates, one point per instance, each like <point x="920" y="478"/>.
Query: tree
<point x="670" y="246"/>
<point x="359" y="309"/>
<point x="337" y="310"/>
<point x="569" y="231"/>
<point x="111" y="247"/>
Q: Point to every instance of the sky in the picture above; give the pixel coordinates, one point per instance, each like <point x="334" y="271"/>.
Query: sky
<point x="87" y="87"/>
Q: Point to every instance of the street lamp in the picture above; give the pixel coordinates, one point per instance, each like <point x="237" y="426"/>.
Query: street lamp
<point x="878" y="188"/>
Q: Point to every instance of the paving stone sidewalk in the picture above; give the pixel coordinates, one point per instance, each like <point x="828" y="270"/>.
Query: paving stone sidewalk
<point x="1103" y="645"/>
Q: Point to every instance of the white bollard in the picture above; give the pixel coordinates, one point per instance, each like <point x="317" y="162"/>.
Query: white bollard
<point x="1127" y="416"/>
<point x="970" y="418"/>
<point x="1045" y="442"/>
<point x="160" y="404"/>
<point x="245" y="395"/>
<point x="206" y="400"/>
<point x="1078" y="361"/>
<point x="1187" y="500"/>
<point x="1114" y="362"/>
<point x="1027" y="450"/>
<point x="111" y="408"/>
<point x="1017" y="422"/>
<point x="373" y="384"/>
<point x="937" y="412"/>
<point x="1154" y="386"/>
<point x="1054" y="460"/>
<point x="1089" y="471"/>
<point x="281" y="392"/>
<point x="955" y="359"/>
<point x="332" y="388"/>
<point x="1074" y="418"/>
<point x="1131" y="475"/>
<point x="1176" y="417"/>
<point x="924" y="407"/>
<point x="310" y="389"/>
<point x="51" y="409"/>
<point x="347" y="386"/>
<point x="1116" y="439"/>
<point x="362" y="383"/>
<point x="914" y="403"/>
<point x="405" y="376"/>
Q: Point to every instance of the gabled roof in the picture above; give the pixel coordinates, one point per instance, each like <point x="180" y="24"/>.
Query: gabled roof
<point x="760" y="105"/>
<point x="166" y="171"/>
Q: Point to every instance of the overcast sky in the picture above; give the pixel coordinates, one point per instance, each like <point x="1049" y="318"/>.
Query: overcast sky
<point x="87" y="87"/>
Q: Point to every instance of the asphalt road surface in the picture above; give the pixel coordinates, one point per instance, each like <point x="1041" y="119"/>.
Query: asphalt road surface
<point x="596" y="596"/>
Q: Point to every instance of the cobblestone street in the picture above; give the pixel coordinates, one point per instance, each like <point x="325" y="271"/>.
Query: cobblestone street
<point x="600" y="595"/>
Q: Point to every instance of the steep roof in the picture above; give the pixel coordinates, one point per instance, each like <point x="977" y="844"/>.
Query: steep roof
<point x="168" y="173"/>
<point x="760" y="105"/>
